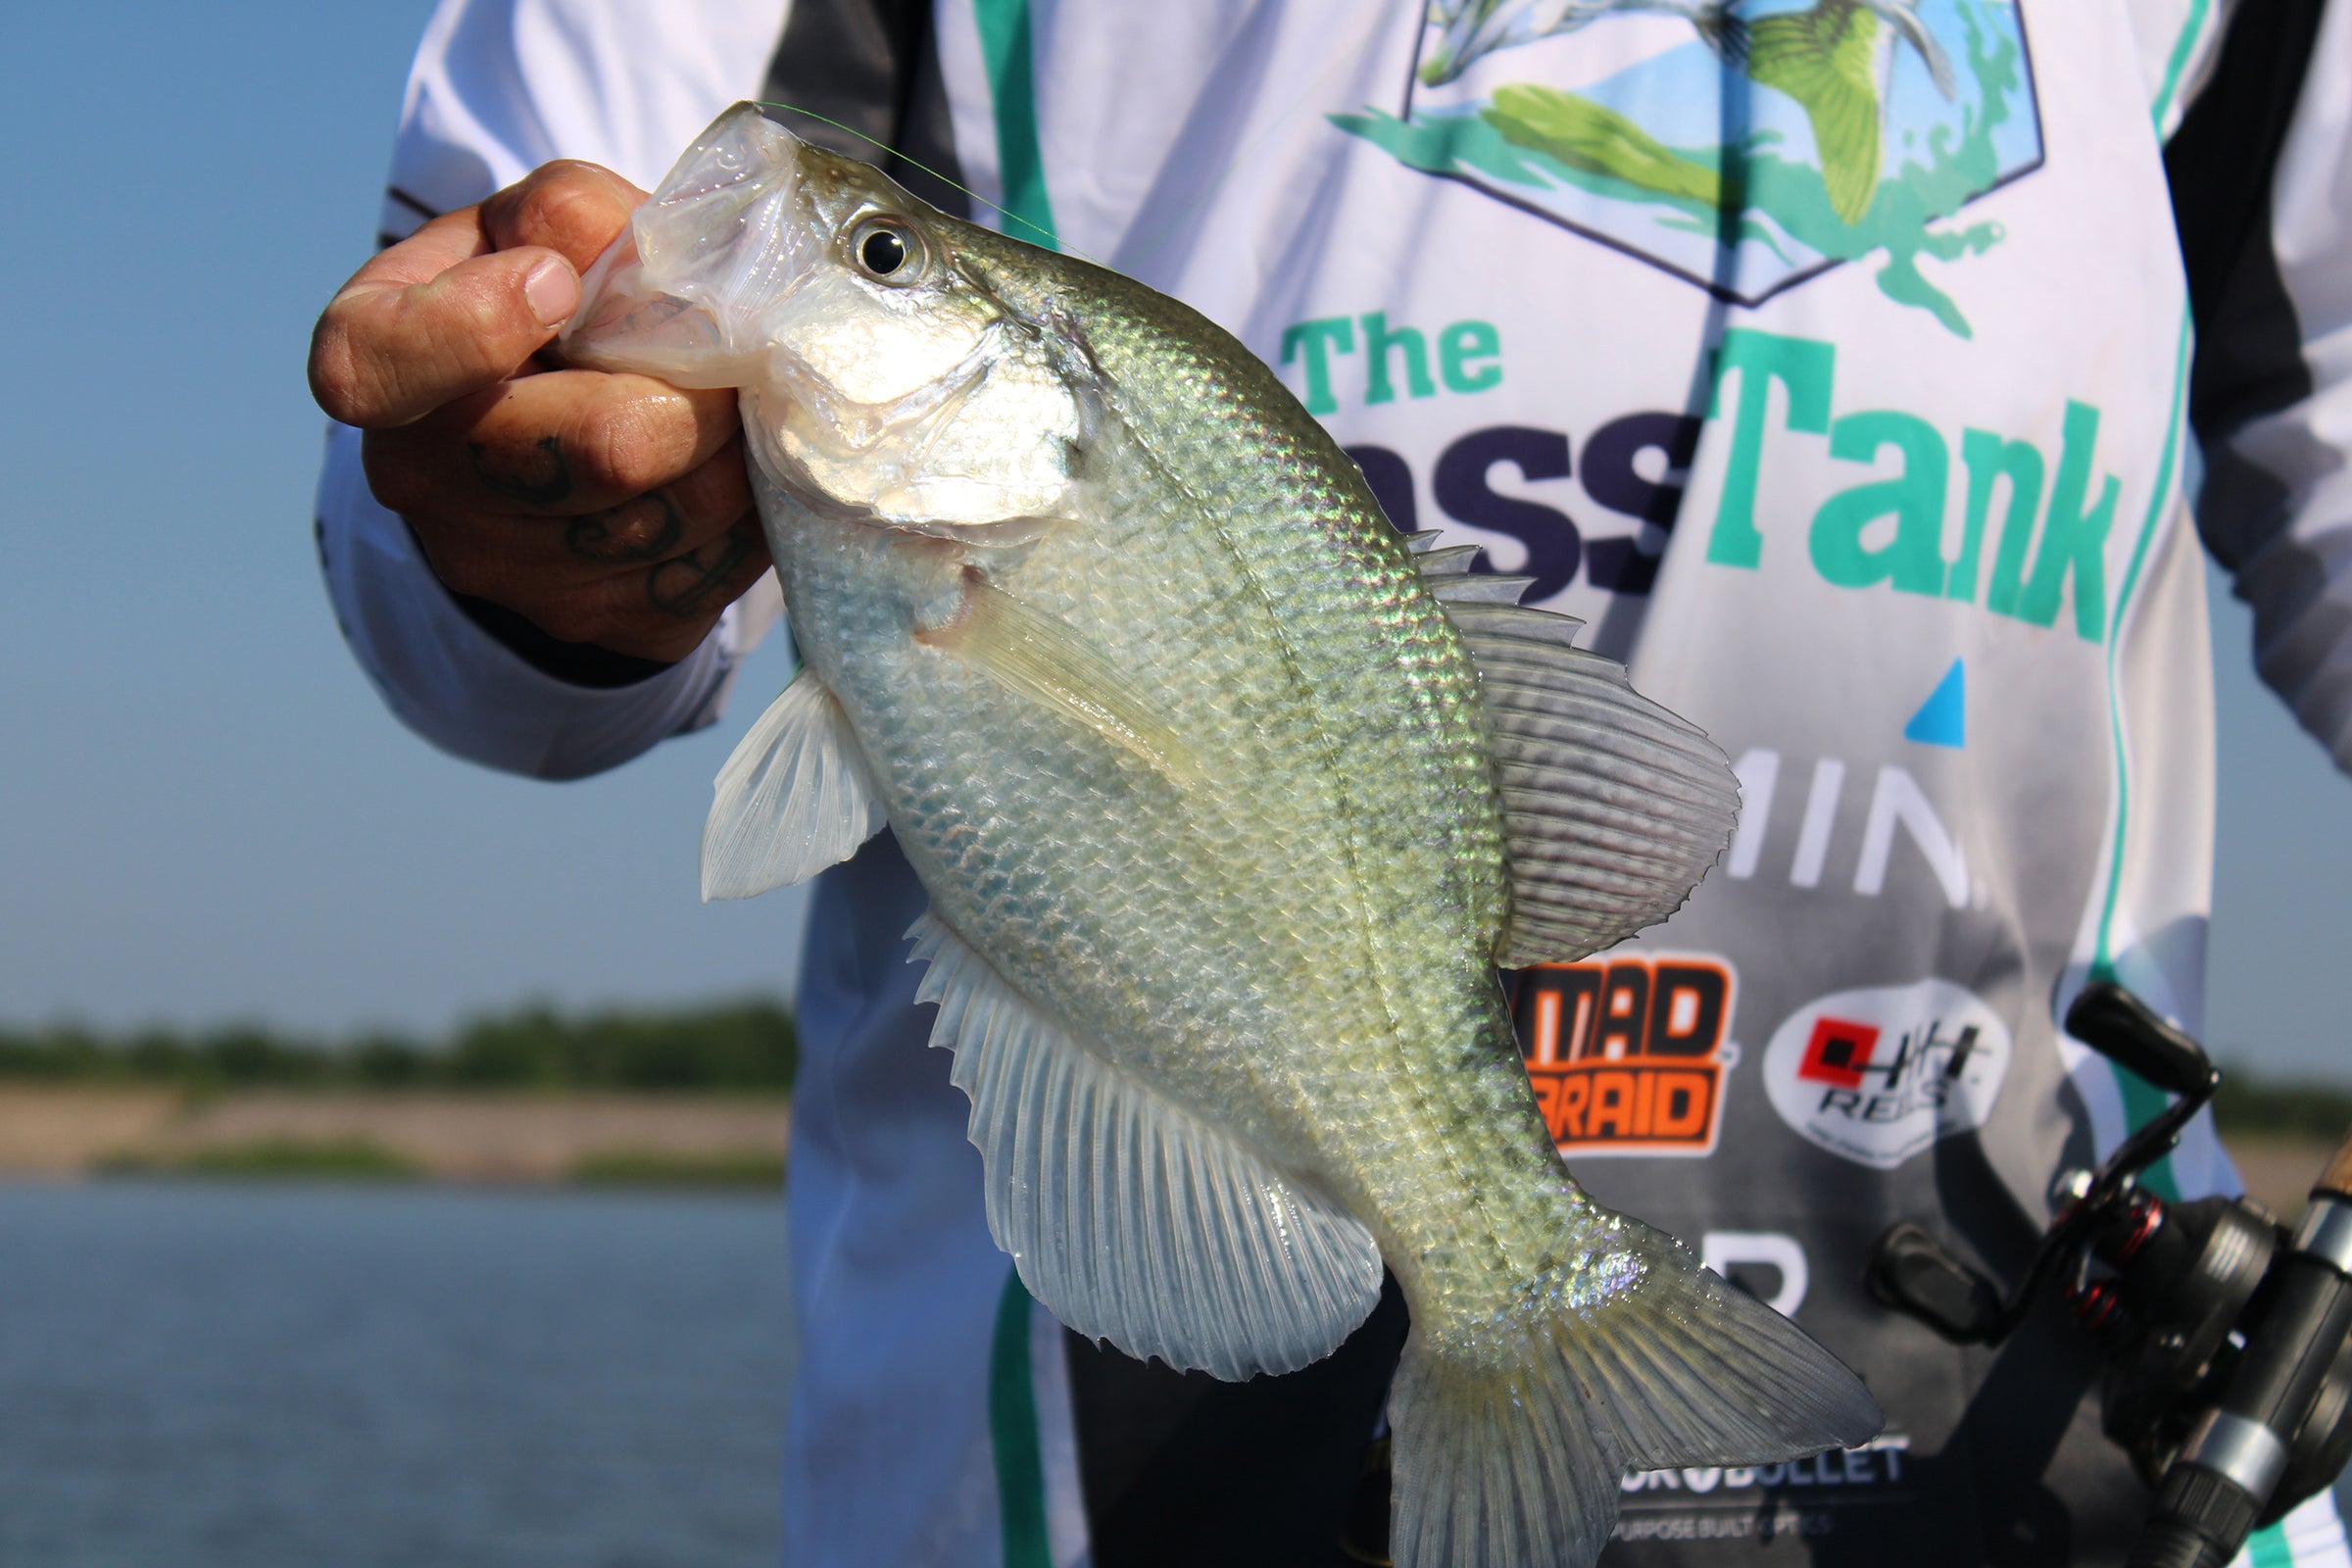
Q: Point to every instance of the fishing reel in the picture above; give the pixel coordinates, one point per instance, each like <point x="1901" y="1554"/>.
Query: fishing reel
<point x="2228" y="1338"/>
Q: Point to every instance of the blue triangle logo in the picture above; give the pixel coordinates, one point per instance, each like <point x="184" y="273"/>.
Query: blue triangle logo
<point x="1942" y="719"/>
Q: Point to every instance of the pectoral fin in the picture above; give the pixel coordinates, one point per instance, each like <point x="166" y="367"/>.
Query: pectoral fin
<point x="795" y="798"/>
<point x="1035" y="656"/>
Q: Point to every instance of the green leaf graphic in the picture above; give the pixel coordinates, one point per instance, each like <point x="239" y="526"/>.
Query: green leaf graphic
<point x="1585" y="135"/>
<point x="1823" y="58"/>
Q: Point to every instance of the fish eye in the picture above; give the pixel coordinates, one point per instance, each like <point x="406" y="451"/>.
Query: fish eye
<point x="888" y="250"/>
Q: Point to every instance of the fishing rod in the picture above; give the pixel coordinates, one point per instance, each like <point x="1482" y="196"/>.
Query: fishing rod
<point x="2227" y="1336"/>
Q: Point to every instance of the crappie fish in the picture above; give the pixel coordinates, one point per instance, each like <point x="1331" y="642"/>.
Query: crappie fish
<point x="1228" y="800"/>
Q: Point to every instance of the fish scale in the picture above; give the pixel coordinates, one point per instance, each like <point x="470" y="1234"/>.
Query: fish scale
<point x="1200" y="774"/>
<point x="1147" y="920"/>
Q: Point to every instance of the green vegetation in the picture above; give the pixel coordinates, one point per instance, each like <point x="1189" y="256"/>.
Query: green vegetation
<point x="2260" y="1108"/>
<point x="651" y="1167"/>
<point x="741" y="1047"/>
<point x="343" y="1160"/>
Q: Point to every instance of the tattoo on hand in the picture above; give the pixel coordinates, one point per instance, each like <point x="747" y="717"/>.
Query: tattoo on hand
<point x="548" y="481"/>
<point x="684" y="587"/>
<point x="645" y="528"/>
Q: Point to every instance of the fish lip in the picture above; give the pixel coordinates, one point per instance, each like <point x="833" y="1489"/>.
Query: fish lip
<point x="728" y="236"/>
<point x="608" y="309"/>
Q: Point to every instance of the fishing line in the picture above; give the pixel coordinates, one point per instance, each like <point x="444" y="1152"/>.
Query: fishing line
<point x="1047" y="236"/>
<point x="1159" y="237"/>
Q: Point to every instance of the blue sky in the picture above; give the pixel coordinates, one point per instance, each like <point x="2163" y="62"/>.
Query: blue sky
<point x="208" y="815"/>
<point x="206" y="812"/>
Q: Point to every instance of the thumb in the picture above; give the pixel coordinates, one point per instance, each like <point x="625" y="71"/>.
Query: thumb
<point x="388" y="352"/>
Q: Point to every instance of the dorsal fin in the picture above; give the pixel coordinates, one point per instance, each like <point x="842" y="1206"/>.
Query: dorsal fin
<point x="1612" y="808"/>
<point x="1513" y="624"/>
<point x="1489" y="587"/>
<point x="1435" y="564"/>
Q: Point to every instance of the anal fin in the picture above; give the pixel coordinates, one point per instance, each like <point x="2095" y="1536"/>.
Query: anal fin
<point x="1130" y="1218"/>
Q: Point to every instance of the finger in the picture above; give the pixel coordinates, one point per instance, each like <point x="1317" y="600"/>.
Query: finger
<point x="388" y="352"/>
<point x="535" y="566"/>
<point x="558" y="444"/>
<point x="662" y="612"/>
<point x="689" y="590"/>
<point x="437" y="245"/>
<point x="673" y="519"/>
<point x="573" y="209"/>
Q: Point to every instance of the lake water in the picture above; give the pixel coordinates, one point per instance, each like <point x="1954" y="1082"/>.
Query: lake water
<point x="242" y="1376"/>
<point x="201" y="1374"/>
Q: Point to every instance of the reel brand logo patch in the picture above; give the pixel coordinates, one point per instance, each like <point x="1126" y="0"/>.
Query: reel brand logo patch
<point x="1629" y="1055"/>
<point x="1878" y="1074"/>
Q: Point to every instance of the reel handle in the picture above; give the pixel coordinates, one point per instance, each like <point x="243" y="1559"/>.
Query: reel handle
<point x="2130" y="1033"/>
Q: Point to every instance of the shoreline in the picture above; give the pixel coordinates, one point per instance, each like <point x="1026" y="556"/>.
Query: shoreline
<point x="521" y="1137"/>
<point x="65" y="1131"/>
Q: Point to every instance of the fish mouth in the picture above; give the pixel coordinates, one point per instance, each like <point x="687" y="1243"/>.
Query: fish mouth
<point x="626" y="325"/>
<point x="682" y="293"/>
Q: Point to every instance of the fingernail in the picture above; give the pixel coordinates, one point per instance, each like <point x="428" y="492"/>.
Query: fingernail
<point x="554" y="292"/>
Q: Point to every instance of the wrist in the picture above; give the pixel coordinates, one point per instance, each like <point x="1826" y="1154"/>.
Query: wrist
<point x="574" y="663"/>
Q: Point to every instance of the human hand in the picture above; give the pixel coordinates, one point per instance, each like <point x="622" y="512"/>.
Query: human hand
<point x="611" y="510"/>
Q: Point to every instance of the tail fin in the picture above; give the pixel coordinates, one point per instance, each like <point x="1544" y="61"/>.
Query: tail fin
<point x="1510" y="1447"/>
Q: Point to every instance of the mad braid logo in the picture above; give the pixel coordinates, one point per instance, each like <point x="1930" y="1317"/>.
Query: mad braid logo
<point x="1629" y="1055"/>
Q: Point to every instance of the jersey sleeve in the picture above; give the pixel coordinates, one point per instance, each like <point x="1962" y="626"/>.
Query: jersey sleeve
<point x="499" y="87"/>
<point x="2261" y="169"/>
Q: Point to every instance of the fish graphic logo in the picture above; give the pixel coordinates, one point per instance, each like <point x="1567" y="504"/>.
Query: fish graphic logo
<point x="1743" y="145"/>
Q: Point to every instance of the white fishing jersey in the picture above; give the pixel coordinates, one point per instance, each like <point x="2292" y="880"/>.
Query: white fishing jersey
<point x="1849" y="370"/>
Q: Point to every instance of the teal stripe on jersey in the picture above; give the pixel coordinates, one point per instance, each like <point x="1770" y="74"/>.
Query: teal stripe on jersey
<point x="2311" y="1536"/>
<point x="1013" y="1433"/>
<point x="2266" y="1547"/>
<point x="2141" y="1100"/>
<point x="2184" y="47"/>
<point x="1012" y="83"/>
